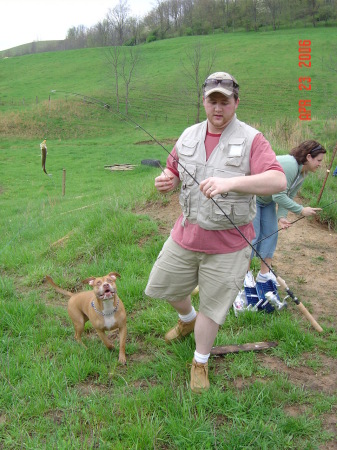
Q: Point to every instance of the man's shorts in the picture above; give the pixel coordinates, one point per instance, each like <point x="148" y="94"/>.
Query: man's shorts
<point x="178" y="271"/>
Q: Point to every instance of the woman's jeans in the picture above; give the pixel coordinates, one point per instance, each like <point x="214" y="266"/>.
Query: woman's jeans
<point x="265" y="224"/>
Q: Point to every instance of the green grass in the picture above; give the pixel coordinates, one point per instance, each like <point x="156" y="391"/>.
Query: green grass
<point x="55" y="394"/>
<point x="265" y="64"/>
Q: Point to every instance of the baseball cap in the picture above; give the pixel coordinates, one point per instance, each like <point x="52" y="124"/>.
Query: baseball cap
<point x="221" y="82"/>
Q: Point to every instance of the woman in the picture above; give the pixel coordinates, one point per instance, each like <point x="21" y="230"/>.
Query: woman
<point x="306" y="157"/>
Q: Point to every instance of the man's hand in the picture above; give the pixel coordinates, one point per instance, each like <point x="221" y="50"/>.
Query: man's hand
<point x="166" y="182"/>
<point x="214" y="185"/>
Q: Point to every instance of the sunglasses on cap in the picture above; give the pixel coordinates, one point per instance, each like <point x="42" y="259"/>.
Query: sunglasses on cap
<point x="214" y="83"/>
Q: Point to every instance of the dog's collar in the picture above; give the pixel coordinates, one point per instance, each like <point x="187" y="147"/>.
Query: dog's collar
<point x="102" y="313"/>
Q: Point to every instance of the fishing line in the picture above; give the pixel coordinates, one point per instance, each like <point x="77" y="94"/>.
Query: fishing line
<point x="300" y="218"/>
<point x="48" y="117"/>
<point x="105" y="105"/>
<point x="108" y="107"/>
<point x="280" y="280"/>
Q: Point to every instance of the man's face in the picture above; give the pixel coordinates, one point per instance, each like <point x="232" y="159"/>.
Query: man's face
<point x="219" y="111"/>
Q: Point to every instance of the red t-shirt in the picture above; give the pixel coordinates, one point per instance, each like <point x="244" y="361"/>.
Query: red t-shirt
<point x="192" y="236"/>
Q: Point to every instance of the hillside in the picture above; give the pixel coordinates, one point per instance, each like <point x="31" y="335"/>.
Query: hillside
<point x="82" y="220"/>
<point x="34" y="47"/>
<point x="265" y="64"/>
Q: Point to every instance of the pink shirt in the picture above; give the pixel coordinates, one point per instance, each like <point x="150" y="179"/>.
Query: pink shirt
<point x="192" y="236"/>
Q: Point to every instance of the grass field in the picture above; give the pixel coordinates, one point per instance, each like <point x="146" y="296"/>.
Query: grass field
<point x="54" y="394"/>
<point x="265" y="64"/>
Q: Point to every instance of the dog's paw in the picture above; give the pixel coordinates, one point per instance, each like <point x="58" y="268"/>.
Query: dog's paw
<point x="122" y="359"/>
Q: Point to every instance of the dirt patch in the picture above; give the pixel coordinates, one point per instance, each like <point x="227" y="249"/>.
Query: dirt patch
<point x="305" y="258"/>
<point x="322" y="379"/>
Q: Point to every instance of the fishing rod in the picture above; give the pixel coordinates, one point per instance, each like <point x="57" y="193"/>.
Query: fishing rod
<point x="280" y="280"/>
<point x="300" y="218"/>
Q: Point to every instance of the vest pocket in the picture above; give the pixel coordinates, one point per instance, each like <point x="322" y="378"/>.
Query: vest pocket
<point x="187" y="183"/>
<point x="236" y="151"/>
<point x="237" y="213"/>
<point x="185" y="175"/>
<point x="218" y="215"/>
<point x="240" y="213"/>
<point x="188" y="148"/>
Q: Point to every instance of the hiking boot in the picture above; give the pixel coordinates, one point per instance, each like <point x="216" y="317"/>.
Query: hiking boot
<point x="199" y="377"/>
<point x="180" y="330"/>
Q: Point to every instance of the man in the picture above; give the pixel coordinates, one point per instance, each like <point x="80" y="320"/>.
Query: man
<point x="230" y="162"/>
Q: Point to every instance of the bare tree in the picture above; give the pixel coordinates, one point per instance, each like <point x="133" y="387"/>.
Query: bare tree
<point x="176" y="12"/>
<point x="77" y="37"/>
<point x="123" y="63"/>
<point x="252" y="12"/>
<point x="205" y="15"/>
<point x="197" y="70"/>
<point x="225" y="13"/>
<point x="135" y="28"/>
<point x="187" y="12"/>
<point x="128" y="65"/>
<point x="118" y="19"/>
<point x="100" y="34"/>
<point x="163" y="17"/>
<point x="234" y="13"/>
<point x="274" y="8"/>
<point x="313" y="10"/>
<point x="113" y="57"/>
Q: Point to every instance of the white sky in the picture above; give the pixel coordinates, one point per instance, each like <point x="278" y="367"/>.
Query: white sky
<point x="23" y="21"/>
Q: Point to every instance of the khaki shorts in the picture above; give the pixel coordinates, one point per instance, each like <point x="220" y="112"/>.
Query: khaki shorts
<point x="177" y="272"/>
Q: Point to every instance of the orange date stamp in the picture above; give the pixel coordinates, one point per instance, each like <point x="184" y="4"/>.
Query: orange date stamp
<point x="304" y="82"/>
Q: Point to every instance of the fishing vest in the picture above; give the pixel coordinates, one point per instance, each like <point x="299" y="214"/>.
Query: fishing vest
<point x="230" y="158"/>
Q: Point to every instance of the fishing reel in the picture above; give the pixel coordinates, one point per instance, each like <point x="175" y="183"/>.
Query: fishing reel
<point x="275" y="302"/>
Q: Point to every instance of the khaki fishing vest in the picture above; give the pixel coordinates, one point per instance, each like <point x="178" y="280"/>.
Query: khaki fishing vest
<point x="230" y="158"/>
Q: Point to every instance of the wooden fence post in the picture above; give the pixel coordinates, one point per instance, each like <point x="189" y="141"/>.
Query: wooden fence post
<point x="64" y="183"/>
<point x="327" y="174"/>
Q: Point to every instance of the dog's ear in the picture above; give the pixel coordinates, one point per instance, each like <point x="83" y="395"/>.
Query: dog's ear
<point x="116" y="274"/>
<point x="89" y="280"/>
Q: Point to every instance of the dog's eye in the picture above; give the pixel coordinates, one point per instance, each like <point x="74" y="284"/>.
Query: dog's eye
<point x="98" y="283"/>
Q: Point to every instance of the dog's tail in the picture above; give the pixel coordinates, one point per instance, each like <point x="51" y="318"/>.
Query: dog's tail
<point x="49" y="280"/>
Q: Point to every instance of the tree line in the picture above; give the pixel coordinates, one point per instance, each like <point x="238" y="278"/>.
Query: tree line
<point x="173" y="18"/>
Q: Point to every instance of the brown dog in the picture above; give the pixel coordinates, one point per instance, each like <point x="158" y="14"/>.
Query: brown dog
<point x="102" y="307"/>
